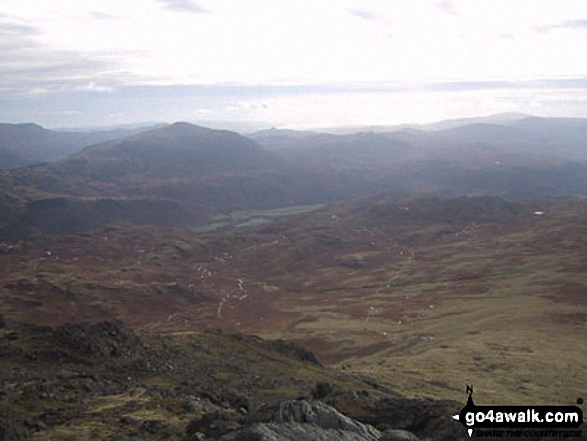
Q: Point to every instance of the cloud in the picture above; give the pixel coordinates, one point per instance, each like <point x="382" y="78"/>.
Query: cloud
<point x="365" y="15"/>
<point x="15" y="29"/>
<point x="447" y="6"/>
<point x="577" y="24"/>
<point x="30" y="68"/>
<point x="537" y="84"/>
<point x="183" y="6"/>
<point x="103" y="16"/>
<point x="15" y="36"/>
<point x="93" y="87"/>
<point x="52" y="73"/>
<point x="37" y="91"/>
<point x="305" y="106"/>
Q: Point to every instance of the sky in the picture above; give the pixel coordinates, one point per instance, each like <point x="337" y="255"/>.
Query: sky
<point x="289" y="63"/>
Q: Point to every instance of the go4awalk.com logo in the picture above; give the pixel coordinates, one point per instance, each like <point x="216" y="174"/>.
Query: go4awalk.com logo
<point x="520" y="421"/>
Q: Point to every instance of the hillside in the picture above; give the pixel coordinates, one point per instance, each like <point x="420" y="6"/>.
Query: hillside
<point x="178" y="151"/>
<point x="184" y="174"/>
<point x="176" y="175"/>
<point x="103" y="381"/>
<point x="24" y="144"/>
<point x="519" y="158"/>
<point x="426" y="294"/>
<point x="525" y="140"/>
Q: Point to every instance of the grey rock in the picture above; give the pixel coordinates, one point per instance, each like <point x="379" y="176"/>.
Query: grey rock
<point x="293" y="432"/>
<point x="398" y="435"/>
<point x="317" y="414"/>
<point x="101" y="340"/>
<point x="212" y="425"/>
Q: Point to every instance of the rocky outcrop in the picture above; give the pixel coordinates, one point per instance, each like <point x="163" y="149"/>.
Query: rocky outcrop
<point x="398" y="435"/>
<point x="296" y="420"/>
<point x="99" y="344"/>
<point x="99" y="340"/>
<point x="318" y="414"/>
<point x="292" y="350"/>
<point x="293" y="432"/>
<point x="289" y="421"/>
<point x="200" y="387"/>
<point x="428" y="419"/>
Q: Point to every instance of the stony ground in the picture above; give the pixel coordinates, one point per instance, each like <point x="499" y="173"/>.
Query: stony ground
<point x="103" y="381"/>
<point x="106" y="382"/>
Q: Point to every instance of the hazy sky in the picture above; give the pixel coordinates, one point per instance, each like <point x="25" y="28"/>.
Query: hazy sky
<point x="289" y="63"/>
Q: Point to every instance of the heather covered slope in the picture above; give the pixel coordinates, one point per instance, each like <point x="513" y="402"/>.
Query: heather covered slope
<point x="425" y="294"/>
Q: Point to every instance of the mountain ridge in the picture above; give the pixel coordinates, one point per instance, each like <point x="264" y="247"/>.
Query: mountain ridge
<point x="203" y="172"/>
<point x="29" y="143"/>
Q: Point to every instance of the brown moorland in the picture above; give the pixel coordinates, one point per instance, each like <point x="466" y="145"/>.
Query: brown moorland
<point x="424" y="294"/>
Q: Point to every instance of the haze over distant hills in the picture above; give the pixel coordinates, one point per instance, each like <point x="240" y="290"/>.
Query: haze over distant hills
<point x="23" y="144"/>
<point x="424" y="259"/>
<point x="175" y="175"/>
<point x="182" y="174"/>
<point x="508" y="134"/>
<point x="499" y="118"/>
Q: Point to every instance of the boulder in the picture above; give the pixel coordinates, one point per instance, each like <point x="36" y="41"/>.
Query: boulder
<point x="293" y="432"/>
<point x="316" y="414"/>
<point x="398" y="435"/>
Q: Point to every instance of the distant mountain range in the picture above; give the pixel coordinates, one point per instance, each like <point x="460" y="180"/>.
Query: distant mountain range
<point x="23" y="144"/>
<point x="188" y="228"/>
<point x="509" y="134"/>
<point x="500" y="118"/>
<point x="181" y="174"/>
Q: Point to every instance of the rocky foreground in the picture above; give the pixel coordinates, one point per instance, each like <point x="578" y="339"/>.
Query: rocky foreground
<point x="104" y="382"/>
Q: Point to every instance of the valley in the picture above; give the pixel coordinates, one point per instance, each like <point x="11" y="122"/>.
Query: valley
<point x="291" y="221"/>
<point x="425" y="294"/>
<point x="381" y="272"/>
